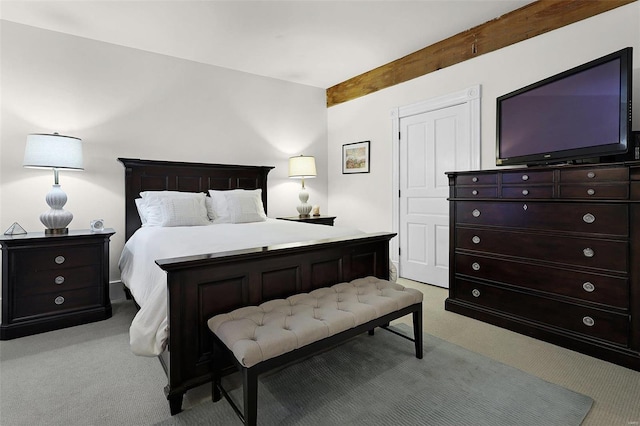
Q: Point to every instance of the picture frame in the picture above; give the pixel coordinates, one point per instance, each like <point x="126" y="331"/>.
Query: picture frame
<point x="356" y="157"/>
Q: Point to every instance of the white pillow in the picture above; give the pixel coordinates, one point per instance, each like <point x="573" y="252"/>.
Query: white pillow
<point x="245" y="206"/>
<point x="170" y="211"/>
<point x="170" y="194"/>
<point x="220" y="204"/>
<point x="142" y="210"/>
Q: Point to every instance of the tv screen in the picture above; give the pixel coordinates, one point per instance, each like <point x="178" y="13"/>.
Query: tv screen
<point x="580" y="114"/>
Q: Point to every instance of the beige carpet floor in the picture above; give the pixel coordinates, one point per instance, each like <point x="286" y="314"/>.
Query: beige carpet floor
<point x="615" y="389"/>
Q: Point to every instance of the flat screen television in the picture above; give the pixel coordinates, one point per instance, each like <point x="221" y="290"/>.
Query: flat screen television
<point x="582" y="114"/>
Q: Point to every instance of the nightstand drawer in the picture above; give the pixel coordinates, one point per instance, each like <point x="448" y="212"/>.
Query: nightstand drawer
<point x="57" y="302"/>
<point x="59" y="257"/>
<point x="52" y="280"/>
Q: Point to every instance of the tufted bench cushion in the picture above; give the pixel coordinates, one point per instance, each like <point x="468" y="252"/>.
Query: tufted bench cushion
<point x="257" y="333"/>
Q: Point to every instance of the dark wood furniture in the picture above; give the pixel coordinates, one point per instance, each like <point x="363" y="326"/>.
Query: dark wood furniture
<point x="551" y="252"/>
<point x="200" y="287"/>
<point x="320" y="220"/>
<point x="53" y="281"/>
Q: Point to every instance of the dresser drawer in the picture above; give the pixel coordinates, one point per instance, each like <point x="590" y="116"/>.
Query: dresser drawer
<point x="477" y="192"/>
<point x="53" y="280"/>
<point x="600" y="253"/>
<point x="587" y="175"/>
<point x="477" y="179"/>
<point x="531" y="177"/>
<point x="57" y="302"/>
<point x="527" y="191"/>
<point x="595" y="191"/>
<point x="58" y="257"/>
<point x="611" y="219"/>
<point x="600" y="324"/>
<point x="602" y="289"/>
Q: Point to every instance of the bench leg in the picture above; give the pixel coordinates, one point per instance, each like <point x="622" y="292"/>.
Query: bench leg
<point x="417" y="331"/>
<point x="250" y="396"/>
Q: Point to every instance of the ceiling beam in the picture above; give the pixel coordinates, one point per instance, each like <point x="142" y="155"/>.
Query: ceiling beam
<point x="529" y="21"/>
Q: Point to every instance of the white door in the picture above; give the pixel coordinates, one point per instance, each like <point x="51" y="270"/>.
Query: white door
<point x="431" y="143"/>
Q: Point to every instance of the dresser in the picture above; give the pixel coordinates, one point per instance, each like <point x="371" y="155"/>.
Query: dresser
<point x="54" y="281"/>
<point x="551" y="252"/>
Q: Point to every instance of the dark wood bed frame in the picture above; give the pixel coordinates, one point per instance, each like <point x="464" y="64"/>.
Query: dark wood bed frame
<point x="202" y="286"/>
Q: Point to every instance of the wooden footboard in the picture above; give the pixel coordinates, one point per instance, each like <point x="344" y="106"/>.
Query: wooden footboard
<point x="202" y="286"/>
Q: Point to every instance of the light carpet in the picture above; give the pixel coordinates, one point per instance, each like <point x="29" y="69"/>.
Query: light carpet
<point x="376" y="380"/>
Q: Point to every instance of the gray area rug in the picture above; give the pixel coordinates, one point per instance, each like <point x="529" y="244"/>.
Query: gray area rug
<point x="378" y="381"/>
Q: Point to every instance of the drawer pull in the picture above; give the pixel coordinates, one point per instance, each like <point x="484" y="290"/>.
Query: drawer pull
<point x="474" y="192"/>
<point x="475" y="213"/>
<point x="591" y="191"/>
<point x="525" y="192"/>
<point x="591" y="175"/>
<point x="588" y="252"/>
<point x="589" y="218"/>
<point x="59" y="260"/>
<point x="475" y="266"/>
<point x="588" y="287"/>
<point x="59" y="279"/>
<point x="525" y="177"/>
<point x="588" y="321"/>
<point x="475" y="239"/>
<point x="475" y="292"/>
<point x="59" y="300"/>
<point x="474" y="179"/>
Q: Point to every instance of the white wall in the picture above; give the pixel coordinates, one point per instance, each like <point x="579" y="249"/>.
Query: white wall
<point x="125" y="102"/>
<point x="364" y="200"/>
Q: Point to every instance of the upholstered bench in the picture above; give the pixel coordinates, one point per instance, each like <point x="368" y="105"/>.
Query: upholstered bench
<point x="278" y="332"/>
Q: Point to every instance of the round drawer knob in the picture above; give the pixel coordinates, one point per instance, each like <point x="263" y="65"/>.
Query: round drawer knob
<point x="475" y="239"/>
<point x="589" y="218"/>
<point x="475" y="292"/>
<point x="588" y="321"/>
<point x="591" y="191"/>
<point x="59" y="260"/>
<point x="474" y="192"/>
<point x="591" y="175"/>
<point x="588" y="287"/>
<point x="475" y="213"/>
<point x="59" y="300"/>
<point x="588" y="252"/>
<point x="525" y="192"/>
<point x="475" y="266"/>
<point x="59" y="279"/>
<point x="474" y="179"/>
<point x="525" y="177"/>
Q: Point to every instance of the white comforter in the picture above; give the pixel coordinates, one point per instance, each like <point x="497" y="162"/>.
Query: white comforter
<point x="148" y="283"/>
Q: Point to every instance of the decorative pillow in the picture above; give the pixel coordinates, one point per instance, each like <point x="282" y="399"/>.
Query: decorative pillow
<point x="245" y="206"/>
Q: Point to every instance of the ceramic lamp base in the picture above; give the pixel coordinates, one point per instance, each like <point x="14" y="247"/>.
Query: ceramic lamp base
<point x="56" y="219"/>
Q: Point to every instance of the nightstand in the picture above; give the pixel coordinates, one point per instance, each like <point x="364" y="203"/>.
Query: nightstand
<point x="320" y="220"/>
<point x="54" y="281"/>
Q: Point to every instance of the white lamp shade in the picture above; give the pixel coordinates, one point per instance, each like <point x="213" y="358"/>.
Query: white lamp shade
<point x="302" y="167"/>
<point x="53" y="151"/>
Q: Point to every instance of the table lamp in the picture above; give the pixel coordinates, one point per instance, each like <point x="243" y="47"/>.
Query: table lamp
<point x="45" y="151"/>
<point x="301" y="167"/>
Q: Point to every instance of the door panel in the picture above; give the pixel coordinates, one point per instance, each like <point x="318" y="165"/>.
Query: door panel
<point x="430" y="144"/>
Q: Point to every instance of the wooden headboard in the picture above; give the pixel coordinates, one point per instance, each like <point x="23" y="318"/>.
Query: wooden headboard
<point x="151" y="175"/>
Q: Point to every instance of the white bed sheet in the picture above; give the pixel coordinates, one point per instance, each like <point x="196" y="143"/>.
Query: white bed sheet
<point x="148" y="283"/>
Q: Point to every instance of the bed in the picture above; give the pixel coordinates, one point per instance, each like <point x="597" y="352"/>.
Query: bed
<point x="206" y="283"/>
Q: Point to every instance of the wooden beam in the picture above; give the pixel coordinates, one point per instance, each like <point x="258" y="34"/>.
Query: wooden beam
<point x="529" y="21"/>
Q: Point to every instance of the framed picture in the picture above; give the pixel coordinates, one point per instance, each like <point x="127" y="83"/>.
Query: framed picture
<point x="356" y="157"/>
